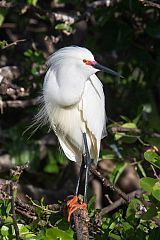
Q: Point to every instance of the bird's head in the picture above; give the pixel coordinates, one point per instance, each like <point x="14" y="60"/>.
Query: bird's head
<point x="78" y="57"/>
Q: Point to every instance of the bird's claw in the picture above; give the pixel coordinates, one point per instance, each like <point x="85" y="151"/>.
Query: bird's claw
<point x="74" y="204"/>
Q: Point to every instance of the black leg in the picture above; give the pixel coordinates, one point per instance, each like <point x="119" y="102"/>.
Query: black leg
<point x="80" y="176"/>
<point x="87" y="161"/>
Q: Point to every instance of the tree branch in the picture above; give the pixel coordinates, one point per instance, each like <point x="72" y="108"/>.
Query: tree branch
<point x="150" y="4"/>
<point x="13" y="190"/>
<point x="106" y="183"/>
<point x="120" y="129"/>
<point x="19" y="103"/>
<point x="81" y="221"/>
<point x="120" y="202"/>
<point x="13" y="43"/>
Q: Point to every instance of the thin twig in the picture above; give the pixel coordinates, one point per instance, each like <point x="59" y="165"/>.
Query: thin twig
<point x="150" y="4"/>
<point x="4" y="4"/>
<point x="154" y="172"/>
<point x="13" y="193"/>
<point x="134" y="131"/>
<point x="40" y="207"/>
<point x="120" y="202"/>
<point x="120" y="129"/>
<point x="107" y="183"/>
<point x="14" y="43"/>
<point x="21" y="103"/>
<point x="25" y="214"/>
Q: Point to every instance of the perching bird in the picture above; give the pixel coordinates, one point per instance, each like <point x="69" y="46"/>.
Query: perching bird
<point x="74" y="106"/>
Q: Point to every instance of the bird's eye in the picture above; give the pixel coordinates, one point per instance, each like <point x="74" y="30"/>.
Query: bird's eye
<point x="84" y="60"/>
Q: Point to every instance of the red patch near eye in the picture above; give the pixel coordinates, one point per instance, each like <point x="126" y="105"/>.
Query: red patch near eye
<point x="89" y="62"/>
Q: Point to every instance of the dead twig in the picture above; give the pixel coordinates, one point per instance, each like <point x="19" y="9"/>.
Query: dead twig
<point x="13" y="43"/>
<point x="21" y="103"/>
<point x="9" y="72"/>
<point x="120" y="202"/>
<point x="25" y="214"/>
<point x="154" y="172"/>
<point x="106" y="183"/>
<point x="5" y="4"/>
<point x="119" y="129"/>
<point x="135" y="131"/>
<point x="150" y="4"/>
<point x="100" y="4"/>
<point x="44" y="209"/>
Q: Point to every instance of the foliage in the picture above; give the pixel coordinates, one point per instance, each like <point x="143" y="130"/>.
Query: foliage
<point x="124" y="36"/>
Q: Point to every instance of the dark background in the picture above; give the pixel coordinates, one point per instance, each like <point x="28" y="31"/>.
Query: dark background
<point x="123" y="35"/>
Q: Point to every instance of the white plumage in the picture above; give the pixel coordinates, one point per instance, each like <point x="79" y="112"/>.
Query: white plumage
<point x="74" y="102"/>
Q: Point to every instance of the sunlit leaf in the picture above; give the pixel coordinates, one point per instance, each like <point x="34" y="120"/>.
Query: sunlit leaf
<point x="129" y="125"/>
<point x="55" y="233"/>
<point x="156" y="190"/>
<point x="64" y="27"/>
<point x="147" y="183"/>
<point x="32" y="2"/>
<point x="117" y="171"/>
<point x="153" y="158"/>
<point x="4" y="231"/>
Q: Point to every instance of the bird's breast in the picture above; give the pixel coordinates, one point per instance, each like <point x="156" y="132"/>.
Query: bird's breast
<point x="63" y="89"/>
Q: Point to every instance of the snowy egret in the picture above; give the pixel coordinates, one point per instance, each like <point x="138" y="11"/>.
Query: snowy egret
<point x="74" y="106"/>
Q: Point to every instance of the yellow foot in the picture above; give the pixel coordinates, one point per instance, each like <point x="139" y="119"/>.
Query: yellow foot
<point x="74" y="204"/>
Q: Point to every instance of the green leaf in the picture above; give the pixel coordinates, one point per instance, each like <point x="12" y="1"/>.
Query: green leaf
<point x="64" y="27"/>
<point x="4" y="231"/>
<point x="119" y="136"/>
<point x="108" y="154"/>
<point x="8" y="209"/>
<point x="114" y="236"/>
<point x="147" y="183"/>
<point x="91" y="203"/>
<point x="32" y="2"/>
<point x="151" y="212"/>
<point x="153" y="158"/>
<point x="129" y="125"/>
<point x="125" y="118"/>
<point x="57" y="234"/>
<point x="141" y="169"/>
<point x="127" y="138"/>
<point x="156" y="190"/>
<point x="3" y="44"/>
<point x="1" y="19"/>
<point x="132" y="209"/>
<point x="25" y="232"/>
<point x="2" y="16"/>
<point x="117" y="171"/>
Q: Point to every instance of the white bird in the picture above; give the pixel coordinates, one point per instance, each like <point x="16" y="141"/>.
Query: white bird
<point x="74" y="103"/>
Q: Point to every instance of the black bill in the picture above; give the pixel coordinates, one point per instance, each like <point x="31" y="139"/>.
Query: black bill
<point x="107" y="70"/>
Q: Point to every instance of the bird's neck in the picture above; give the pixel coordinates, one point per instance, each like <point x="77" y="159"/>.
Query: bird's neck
<point x="71" y="85"/>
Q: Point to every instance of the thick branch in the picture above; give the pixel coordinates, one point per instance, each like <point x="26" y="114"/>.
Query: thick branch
<point x="81" y="221"/>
